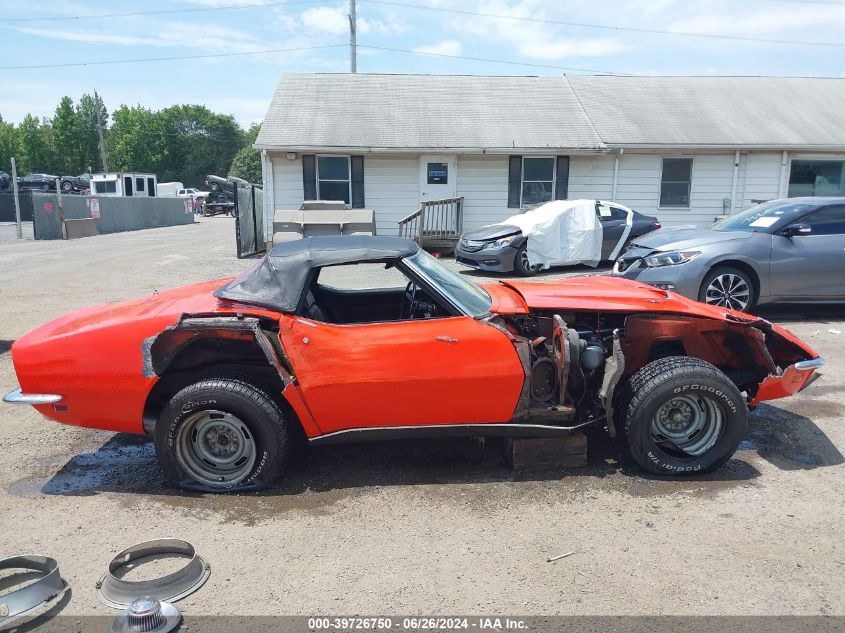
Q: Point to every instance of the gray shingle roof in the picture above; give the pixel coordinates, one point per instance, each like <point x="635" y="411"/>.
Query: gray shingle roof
<point x="369" y="111"/>
<point x="425" y="111"/>
<point x="742" y="111"/>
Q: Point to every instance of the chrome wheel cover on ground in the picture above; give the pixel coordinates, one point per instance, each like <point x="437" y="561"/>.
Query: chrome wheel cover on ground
<point x="728" y="291"/>
<point x="215" y="448"/>
<point x="688" y="424"/>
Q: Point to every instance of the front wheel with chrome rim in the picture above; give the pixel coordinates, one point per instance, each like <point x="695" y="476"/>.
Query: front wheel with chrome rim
<point x="521" y="265"/>
<point x="682" y="416"/>
<point x="729" y="287"/>
<point x="222" y="434"/>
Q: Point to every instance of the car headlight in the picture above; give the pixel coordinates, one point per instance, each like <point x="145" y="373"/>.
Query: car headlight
<point x="505" y="241"/>
<point x="671" y="258"/>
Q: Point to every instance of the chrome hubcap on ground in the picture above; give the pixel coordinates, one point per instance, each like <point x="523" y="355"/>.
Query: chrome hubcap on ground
<point x="215" y="448"/>
<point x="728" y="291"/>
<point x="690" y="424"/>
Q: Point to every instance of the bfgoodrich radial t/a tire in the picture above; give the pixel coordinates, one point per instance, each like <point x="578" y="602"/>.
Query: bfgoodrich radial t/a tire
<point x="222" y="434"/>
<point x="683" y="417"/>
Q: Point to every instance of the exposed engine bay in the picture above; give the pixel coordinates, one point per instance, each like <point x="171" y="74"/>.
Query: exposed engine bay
<point x="575" y="361"/>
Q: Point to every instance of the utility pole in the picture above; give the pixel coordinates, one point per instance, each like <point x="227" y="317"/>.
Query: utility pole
<point x="98" y="106"/>
<point x="353" y="63"/>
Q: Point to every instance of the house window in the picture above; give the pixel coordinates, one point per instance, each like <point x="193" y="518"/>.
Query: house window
<point x="817" y="178"/>
<point x="538" y="180"/>
<point x="333" y="178"/>
<point x="675" y="182"/>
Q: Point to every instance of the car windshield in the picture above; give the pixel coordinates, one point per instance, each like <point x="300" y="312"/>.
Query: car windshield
<point x="767" y="217"/>
<point x="471" y="298"/>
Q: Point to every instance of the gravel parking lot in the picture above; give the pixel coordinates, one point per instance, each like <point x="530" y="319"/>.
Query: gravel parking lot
<point x="429" y="526"/>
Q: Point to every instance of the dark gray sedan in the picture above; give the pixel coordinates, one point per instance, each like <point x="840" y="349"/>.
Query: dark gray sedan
<point x="502" y="247"/>
<point x="790" y="250"/>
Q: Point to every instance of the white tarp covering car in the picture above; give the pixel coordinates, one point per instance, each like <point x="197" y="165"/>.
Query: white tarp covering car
<point x="562" y="232"/>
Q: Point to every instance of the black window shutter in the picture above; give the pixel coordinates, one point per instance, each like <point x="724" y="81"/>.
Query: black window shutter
<point x="357" y="182"/>
<point x="514" y="182"/>
<point x="309" y="177"/>
<point x="562" y="179"/>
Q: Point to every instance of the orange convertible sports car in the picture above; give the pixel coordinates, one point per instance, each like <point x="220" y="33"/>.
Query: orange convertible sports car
<point x="224" y="374"/>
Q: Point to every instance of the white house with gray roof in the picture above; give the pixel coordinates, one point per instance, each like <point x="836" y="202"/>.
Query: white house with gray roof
<point x="685" y="149"/>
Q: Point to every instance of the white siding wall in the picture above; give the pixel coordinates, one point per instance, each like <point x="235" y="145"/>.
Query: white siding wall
<point x="590" y="177"/>
<point x="483" y="182"/>
<point x="711" y="184"/>
<point x="287" y="188"/>
<point x="760" y="177"/>
<point x="391" y="184"/>
<point x="638" y="186"/>
<point x="391" y="189"/>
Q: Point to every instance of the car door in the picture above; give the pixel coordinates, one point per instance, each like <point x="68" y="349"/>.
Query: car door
<point x="452" y="370"/>
<point x="614" y="221"/>
<point x="811" y="266"/>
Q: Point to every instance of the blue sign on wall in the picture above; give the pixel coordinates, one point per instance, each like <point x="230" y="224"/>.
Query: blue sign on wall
<point x="438" y="174"/>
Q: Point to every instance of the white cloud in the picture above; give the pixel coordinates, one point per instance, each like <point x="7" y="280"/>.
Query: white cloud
<point x="98" y="37"/>
<point x="228" y="3"/>
<point x="764" y="22"/>
<point x="326" y="19"/>
<point x="391" y="25"/>
<point x="446" y="47"/>
<point x="646" y="7"/>
<point x="335" y="20"/>
<point x="530" y="38"/>
<point x="210" y="38"/>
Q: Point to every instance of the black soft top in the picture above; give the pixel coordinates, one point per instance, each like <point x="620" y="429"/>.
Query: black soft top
<point x="279" y="279"/>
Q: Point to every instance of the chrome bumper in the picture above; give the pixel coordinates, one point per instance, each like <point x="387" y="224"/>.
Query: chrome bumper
<point x="19" y="397"/>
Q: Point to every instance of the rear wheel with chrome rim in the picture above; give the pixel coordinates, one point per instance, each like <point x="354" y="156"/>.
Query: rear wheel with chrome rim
<point x="222" y="434"/>
<point x="682" y="416"/>
<point x="729" y="287"/>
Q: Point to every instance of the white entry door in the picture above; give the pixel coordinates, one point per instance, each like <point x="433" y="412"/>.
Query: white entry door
<point x="437" y="177"/>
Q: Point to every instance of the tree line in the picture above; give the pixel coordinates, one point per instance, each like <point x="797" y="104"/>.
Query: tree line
<point x="178" y="143"/>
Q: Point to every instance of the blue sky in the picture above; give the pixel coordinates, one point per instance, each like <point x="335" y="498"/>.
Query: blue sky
<point x="242" y="85"/>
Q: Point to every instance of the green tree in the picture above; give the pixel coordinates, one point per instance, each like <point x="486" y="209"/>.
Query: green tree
<point x="89" y="140"/>
<point x="66" y="137"/>
<point x="35" y="146"/>
<point x="8" y="145"/>
<point x="198" y="142"/>
<point x="136" y="140"/>
<point x="247" y="162"/>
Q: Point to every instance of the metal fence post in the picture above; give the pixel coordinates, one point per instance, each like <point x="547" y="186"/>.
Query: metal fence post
<point x="17" y="200"/>
<point x="237" y="213"/>
<point x="61" y="207"/>
<point x="255" y="222"/>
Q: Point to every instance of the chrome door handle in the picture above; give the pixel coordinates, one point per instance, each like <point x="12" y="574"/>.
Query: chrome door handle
<point x="446" y="339"/>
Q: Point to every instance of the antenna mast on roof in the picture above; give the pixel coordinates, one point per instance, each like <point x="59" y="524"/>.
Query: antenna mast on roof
<point x="353" y="64"/>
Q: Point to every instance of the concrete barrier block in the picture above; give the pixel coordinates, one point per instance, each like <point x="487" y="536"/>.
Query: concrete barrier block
<point x="86" y="227"/>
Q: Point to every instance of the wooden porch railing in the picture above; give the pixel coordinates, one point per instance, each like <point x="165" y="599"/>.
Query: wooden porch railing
<point x="436" y="224"/>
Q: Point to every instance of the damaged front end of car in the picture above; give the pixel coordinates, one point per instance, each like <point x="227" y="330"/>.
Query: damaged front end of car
<point x="577" y="363"/>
